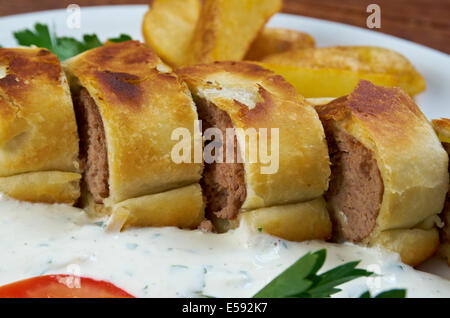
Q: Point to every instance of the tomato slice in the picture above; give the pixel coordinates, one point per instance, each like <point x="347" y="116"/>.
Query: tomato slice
<point x="62" y="286"/>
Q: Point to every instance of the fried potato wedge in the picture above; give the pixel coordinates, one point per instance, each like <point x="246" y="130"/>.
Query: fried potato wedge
<point x="168" y="28"/>
<point x="335" y="71"/>
<point x="315" y="83"/>
<point x="278" y="40"/>
<point x="226" y="28"/>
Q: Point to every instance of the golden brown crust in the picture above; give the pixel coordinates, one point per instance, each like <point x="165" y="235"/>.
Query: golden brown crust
<point x="254" y="97"/>
<point x="141" y="104"/>
<point x="277" y="40"/>
<point x="442" y="128"/>
<point x="28" y="64"/>
<point x="36" y="110"/>
<point x="43" y="186"/>
<point x="182" y="207"/>
<point x="411" y="160"/>
<point x="295" y="222"/>
<point x="413" y="245"/>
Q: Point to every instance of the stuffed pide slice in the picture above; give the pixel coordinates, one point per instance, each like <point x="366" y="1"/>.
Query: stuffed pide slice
<point x="38" y="132"/>
<point x="389" y="171"/>
<point x="266" y="116"/>
<point x="442" y="128"/>
<point x="128" y="104"/>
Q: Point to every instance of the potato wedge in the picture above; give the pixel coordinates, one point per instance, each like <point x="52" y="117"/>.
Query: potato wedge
<point x="168" y="27"/>
<point x="278" y="40"/>
<point x="226" y="28"/>
<point x="335" y="71"/>
<point x="316" y="83"/>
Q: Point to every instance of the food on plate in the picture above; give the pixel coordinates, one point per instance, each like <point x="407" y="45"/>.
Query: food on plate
<point x="168" y="28"/>
<point x="128" y="103"/>
<point x="43" y="186"/>
<point x="294" y="222"/>
<point x="389" y="171"/>
<point x="226" y="28"/>
<point x="258" y="106"/>
<point x="442" y="128"/>
<point x="63" y="47"/>
<point x="36" y="164"/>
<point x="61" y="286"/>
<point x="319" y="101"/>
<point x="335" y="71"/>
<point x="277" y="40"/>
<point x="218" y="145"/>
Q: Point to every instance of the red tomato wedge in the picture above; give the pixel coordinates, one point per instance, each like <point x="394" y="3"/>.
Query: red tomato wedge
<point x="62" y="286"/>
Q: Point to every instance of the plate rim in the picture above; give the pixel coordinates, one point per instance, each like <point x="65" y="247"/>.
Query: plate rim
<point x="276" y="16"/>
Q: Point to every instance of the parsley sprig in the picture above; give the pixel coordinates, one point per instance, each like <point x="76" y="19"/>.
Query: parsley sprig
<point x="63" y="47"/>
<point x="393" y="293"/>
<point x="301" y="280"/>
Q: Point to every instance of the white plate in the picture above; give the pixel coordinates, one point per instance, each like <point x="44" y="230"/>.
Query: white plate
<point x="110" y="21"/>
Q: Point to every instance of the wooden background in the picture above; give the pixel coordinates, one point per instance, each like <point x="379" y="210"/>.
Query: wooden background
<point x="422" y="21"/>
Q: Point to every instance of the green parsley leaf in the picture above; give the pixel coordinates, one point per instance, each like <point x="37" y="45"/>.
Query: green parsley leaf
<point x="91" y="41"/>
<point x="301" y="280"/>
<point x="67" y="47"/>
<point x="121" y="38"/>
<point x="365" y="295"/>
<point x="393" y="293"/>
<point x="324" y="285"/>
<point x="40" y="37"/>
<point x="294" y="280"/>
<point x="63" y="47"/>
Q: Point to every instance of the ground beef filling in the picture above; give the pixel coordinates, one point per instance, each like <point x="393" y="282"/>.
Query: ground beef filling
<point x="222" y="183"/>
<point x="93" y="152"/>
<point x="445" y="232"/>
<point x="356" y="187"/>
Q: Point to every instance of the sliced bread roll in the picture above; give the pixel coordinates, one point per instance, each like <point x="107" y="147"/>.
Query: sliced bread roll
<point x="261" y="110"/>
<point x="38" y="132"/>
<point x="389" y="171"/>
<point x="128" y="104"/>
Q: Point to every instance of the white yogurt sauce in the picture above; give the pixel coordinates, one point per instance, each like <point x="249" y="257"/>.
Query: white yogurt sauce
<point x="39" y="239"/>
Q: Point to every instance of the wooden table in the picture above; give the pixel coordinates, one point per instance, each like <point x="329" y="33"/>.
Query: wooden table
<point x="422" y="21"/>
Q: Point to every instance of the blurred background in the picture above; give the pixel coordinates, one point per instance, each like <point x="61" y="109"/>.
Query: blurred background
<point x="422" y="21"/>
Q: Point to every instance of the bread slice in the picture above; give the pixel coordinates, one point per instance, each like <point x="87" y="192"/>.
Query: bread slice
<point x="38" y="132"/>
<point x="245" y="98"/>
<point x="389" y="176"/>
<point x="128" y="106"/>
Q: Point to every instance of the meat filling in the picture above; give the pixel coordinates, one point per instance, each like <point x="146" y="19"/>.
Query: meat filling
<point x="93" y="152"/>
<point x="445" y="232"/>
<point x="356" y="187"/>
<point x="222" y="183"/>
